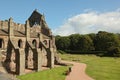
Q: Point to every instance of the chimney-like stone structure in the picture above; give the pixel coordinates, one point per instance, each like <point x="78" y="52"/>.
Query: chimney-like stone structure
<point x="10" y="28"/>
<point x="27" y="29"/>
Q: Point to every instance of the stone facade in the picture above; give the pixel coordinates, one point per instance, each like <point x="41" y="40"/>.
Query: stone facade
<point x="27" y="46"/>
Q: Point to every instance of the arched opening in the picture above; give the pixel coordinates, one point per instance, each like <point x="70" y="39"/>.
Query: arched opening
<point x="1" y="43"/>
<point x="12" y="63"/>
<point x="34" y="43"/>
<point x="45" y="42"/>
<point x="20" y="43"/>
<point x="30" y="60"/>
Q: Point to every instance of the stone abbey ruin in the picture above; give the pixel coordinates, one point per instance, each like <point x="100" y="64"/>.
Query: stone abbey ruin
<point x="27" y="46"/>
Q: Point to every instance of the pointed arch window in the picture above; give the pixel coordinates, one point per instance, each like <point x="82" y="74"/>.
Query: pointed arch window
<point x="20" y="43"/>
<point x="34" y="43"/>
<point x="45" y="42"/>
<point x="1" y="43"/>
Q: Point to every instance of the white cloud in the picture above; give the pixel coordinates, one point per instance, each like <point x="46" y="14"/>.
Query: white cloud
<point x="90" y="22"/>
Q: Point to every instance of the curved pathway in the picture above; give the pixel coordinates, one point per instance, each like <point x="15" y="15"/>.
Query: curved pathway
<point x="78" y="72"/>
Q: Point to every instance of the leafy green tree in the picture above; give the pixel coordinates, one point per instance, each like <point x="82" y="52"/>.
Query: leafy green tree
<point x="109" y="42"/>
<point x="102" y="41"/>
<point x="92" y="36"/>
<point x="85" y="43"/>
<point x="105" y="40"/>
<point x="74" y="39"/>
<point x="114" y="51"/>
<point x="62" y="43"/>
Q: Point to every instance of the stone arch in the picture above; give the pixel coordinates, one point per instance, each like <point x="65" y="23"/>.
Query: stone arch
<point x="30" y="60"/>
<point x="20" y="43"/>
<point x="44" y="57"/>
<point x="45" y="42"/>
<point x="1" y="43"/>
<point x="12" y="63"/>
<point x="3" y="51"/>
<point x="34" y="43"/>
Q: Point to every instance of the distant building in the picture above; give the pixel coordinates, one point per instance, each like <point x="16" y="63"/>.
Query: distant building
<point x="27" y="46"/>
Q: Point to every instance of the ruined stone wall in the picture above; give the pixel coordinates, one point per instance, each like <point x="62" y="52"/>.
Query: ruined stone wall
<point x="4" y="47"/>
<point x="35" y="28"/>
<point x="28" y="45"/>
<point x="17" y="26"/>
<point x="45" y="31"/>
<point x="34" y="41"/>
<point x="22" y="43"/>
<point x="3" y="24"/>
<point x="5" y="41"/>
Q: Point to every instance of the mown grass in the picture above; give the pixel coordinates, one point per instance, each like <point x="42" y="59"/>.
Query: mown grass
<point x="99" y="68"/>
<point x="57" y="73"/>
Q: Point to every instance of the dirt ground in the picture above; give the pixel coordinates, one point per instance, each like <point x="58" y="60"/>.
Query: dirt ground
<point x="77" y="72"/>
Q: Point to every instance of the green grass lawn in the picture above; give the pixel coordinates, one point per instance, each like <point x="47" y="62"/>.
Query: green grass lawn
<point x="51" y="74"/>
<point x="99" y="68"/>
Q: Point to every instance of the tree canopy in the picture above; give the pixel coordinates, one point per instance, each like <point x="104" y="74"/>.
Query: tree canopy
<point x="101" y="41"/>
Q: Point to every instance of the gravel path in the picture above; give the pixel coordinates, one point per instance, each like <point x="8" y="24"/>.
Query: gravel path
<point x="78" y="72"/>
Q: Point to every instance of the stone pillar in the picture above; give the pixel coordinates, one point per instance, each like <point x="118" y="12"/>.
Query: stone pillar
<point x="52" y="57"/>
<point x="53" y="41"/>
<point x="39" y="59"/>
<point x="50" y="54"/>
<point x="20" y="60"/>
<point x="27" y="31"/>
<point x="10" y="28"/>
<point x="40" y="37"/>
<point x="35" y="54"/>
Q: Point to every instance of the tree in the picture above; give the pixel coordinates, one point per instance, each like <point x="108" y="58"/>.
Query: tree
<point x="85" y="43"/>
<point x="114" y="51"/>
<point x="92" y="36"/>
<point x="74" y="39"/>
<point x="62" y="43"/>
<point x="102" y="41"/>
<point x="105" y="40"/>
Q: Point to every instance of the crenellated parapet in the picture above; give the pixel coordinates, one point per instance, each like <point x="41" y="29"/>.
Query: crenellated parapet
<point x="4" y="24"/>
<point x="17" y="26"/>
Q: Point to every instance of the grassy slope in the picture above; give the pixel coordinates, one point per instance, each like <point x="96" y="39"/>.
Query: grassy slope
<point x="99" y="68"/>
<point x="52" y="74"/>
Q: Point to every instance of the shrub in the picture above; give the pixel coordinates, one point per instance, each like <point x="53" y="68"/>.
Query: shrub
<point x="114" y="51"/>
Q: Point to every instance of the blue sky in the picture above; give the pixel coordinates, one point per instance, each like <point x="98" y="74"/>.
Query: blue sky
<point x="57" y="12"/>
